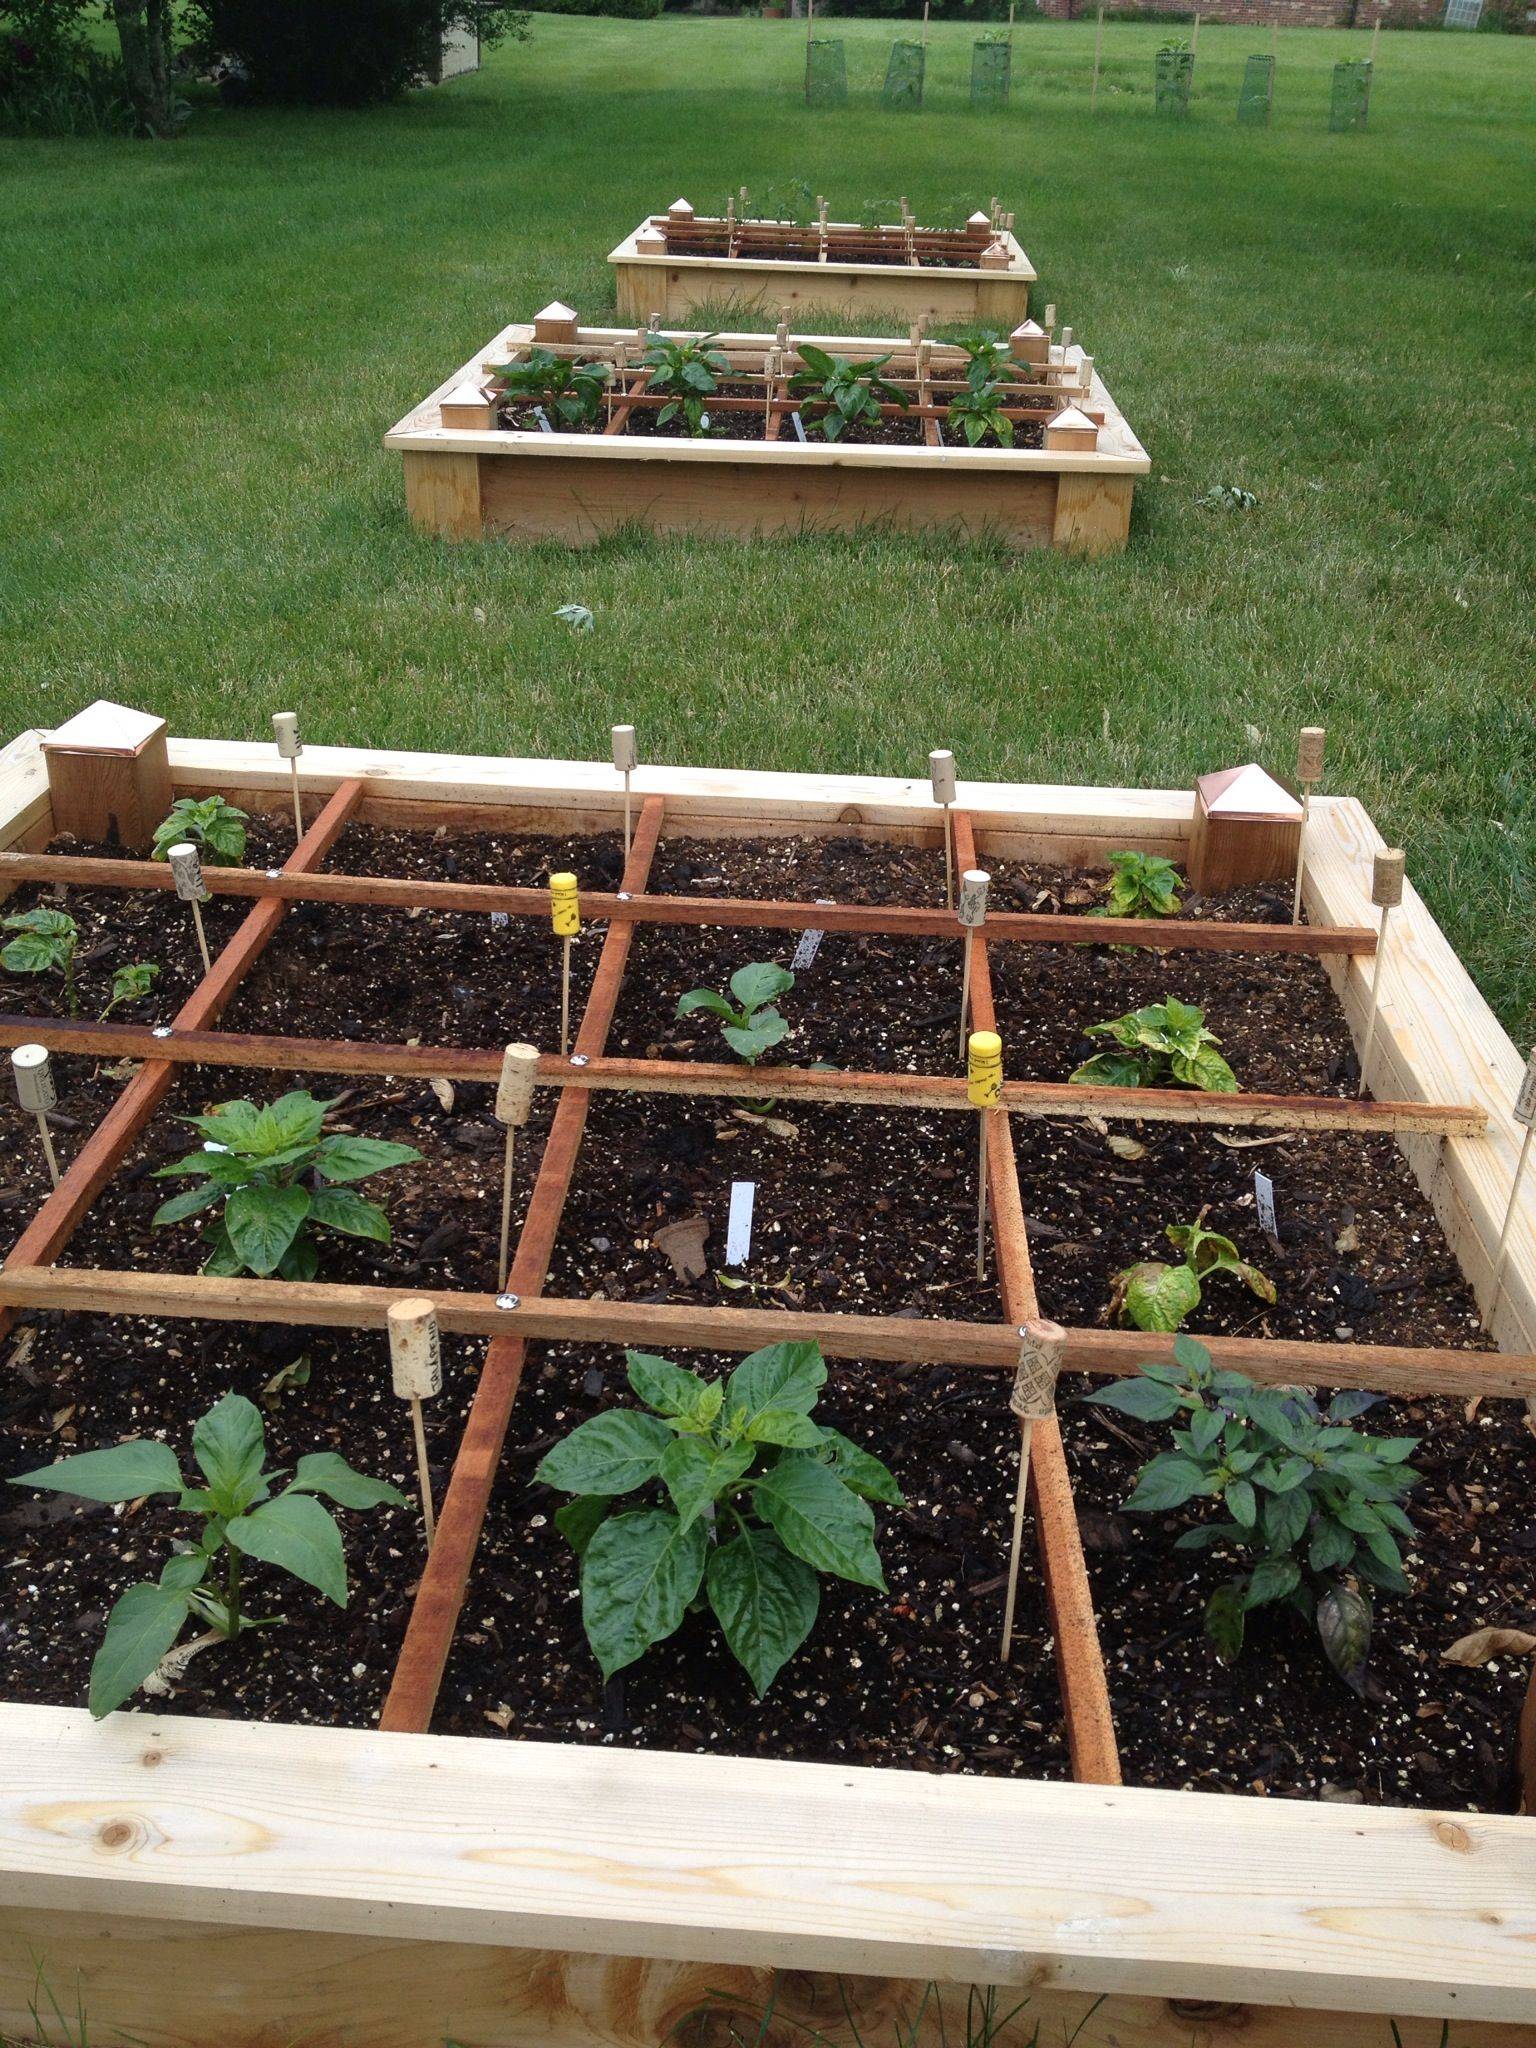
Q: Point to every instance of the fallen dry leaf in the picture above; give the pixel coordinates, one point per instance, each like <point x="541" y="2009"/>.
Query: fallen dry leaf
<point x="776" y="1126"/>
<point x="1484" y="1643"/>
<point x="683" y="1242"/>
<point x="499" y="1717"/>
<point x="1249" y="1144"/>
<point x="443" y="1090"/>
<point x="1125" y="1148"/>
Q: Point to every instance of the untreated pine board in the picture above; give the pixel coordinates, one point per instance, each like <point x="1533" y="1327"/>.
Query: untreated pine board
<point x="923" y="1092"/>
<point x="750" y="1862"/>
<point x="239" y="1987"/>
<point x="440" y="1595"/>
<point x="1165" y="935"/>
<point x="1274" y="1361"/>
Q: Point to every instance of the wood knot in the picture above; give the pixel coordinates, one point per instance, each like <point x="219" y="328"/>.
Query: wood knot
<point x="850" y="814"/>
<point x="151" y="1757"/>
<point x="1451" y="1834"/>
<point x="117" y="1834"/>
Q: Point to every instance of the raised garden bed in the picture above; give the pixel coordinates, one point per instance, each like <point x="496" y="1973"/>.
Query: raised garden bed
<point x="677" y="262"/>
<point x="514" y="454"/>
<point x="462" y="1872"/>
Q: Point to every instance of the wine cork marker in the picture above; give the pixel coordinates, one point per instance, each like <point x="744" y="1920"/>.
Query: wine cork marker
<point x="626" y="760"/>
<point x="565" y="915"/>
<point x="1386" y="894"/>
<point x="972" y="913"/>
<point x="416" y="1363"/>
<point x="514" y="1106"/>
<point x="187" y="872"/>
<point x="941" y="772"/>
<point x="285" y="726"/>
<point x="32" y="1071"/>
<point x="1041" y="1345"/>
<point x="1524" y="1112"/>
<point x="1309" y="772"/>
<point x="984" y="1092"/>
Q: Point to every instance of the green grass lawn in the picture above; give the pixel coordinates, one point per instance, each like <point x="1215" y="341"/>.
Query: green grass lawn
<point x="202" y="344"/>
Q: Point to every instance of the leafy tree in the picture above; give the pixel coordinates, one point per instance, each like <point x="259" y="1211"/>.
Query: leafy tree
<point x="344" y="52"/>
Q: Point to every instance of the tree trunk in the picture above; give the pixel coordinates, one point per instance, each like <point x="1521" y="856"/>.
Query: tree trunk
<point x="143" y="31"/>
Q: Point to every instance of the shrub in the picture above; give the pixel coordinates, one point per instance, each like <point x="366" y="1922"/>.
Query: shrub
<point x="626" y="10"/>
<point x="347" y="53"/>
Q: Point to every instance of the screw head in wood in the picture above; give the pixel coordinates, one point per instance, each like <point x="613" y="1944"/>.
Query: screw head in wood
<point x="160" y="1031"/>
<point x="32" y="1071"/>
<point x="941" y="772"/>
<point x="509" y="1301"/>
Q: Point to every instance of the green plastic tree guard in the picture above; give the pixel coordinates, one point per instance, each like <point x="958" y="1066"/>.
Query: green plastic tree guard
<point x="904" y="77"/>
<point x="1256" y="95"/>
<point x="991" y="71"/>
<point x="1351" y="95"/>
<point x="826" y="72"/>
<point x="1173" y="77"/>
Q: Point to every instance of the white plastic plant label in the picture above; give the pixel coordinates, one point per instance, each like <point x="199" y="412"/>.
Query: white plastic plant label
<point x="810" y="943"/>
<point x="1264" y="1202"/>
<point x="738" y="1230"/>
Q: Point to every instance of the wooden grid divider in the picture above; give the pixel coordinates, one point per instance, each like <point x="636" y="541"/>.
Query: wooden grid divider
<point x="440" y="1596"/>
<point x="103" y="1152"/>
<point x="1068" y="1596"/>
<point x="883" y="920"/>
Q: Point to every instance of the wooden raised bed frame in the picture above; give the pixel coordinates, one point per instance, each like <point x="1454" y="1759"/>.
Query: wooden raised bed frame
<point x="210" y="1882"/>
<point x="672" y="284"/>
<point x="465" y="478"/>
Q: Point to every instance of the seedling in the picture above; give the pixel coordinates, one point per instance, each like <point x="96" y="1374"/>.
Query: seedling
<point x="215" y="827"/>
<point x="757" y="1498"/>
<point x="1311" y="1504"/>
<point x="276" y="1179"/>
<point x="46" y="943"/>
<point x="978" y="410"/>
<point x="569" y="393"/>
<point x="751" y="1025"/>
<point x="1140" y="885"/>
<point x="241" y="1518"/>
<point x="1165" y="1041"/>
<point x="130" y="984"/>
<point x="836" y="394"/>
<point x="690" y="371"/>
<point x="1157" y="1296"/>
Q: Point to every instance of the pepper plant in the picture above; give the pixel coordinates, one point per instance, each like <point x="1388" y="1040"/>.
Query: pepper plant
<point x="46" y="943"/>
<point x="570" y="393"/>
<point x="131" y="982"/>
<point x="1311" y="1506"/>
<point x="749" y="1498"/>
<point x="686" y="372"/>
<point x="1140" y="885"/>
<point x="842" y="394"/>
<point x="1155" y="1295"/>
<point x="1164" y="1041"/>
<point x="207" y="822"/>
<point x="751" y="1025"/>
<point x="978" y="410"/>
<point x="276" y="1178"/>
<point x="241" y="1518"/>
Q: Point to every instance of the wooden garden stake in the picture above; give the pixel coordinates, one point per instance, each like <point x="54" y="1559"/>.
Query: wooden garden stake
<point x="984" y="1091"/>
<point x="941" y="770"/>
<point x="514" y="1106"/>
<point x="565" y="915"/>
<point x="1524" y="1113"/>
<point x="1194" y="34"/>
<point x="416" y="1361"/>
<point x="1386" y="894"/>
<point x="1041" y="1344"/>
<point x="1309" y="772"/>
<point x="972" y="914"/>
<point x="626" y="760"/>
<point x="285" y="724"/>
<point x="33" y="1073"/>
<point x="1375" y="39"/>
<point x="187" y="870"/>
<point x="1098" y="47"/>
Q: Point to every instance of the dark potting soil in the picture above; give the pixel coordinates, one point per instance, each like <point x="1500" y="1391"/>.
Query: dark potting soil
<point x="72" y="1383"/>
<point x="507" y="860"/>
<point x="1425" y="1733"/>
<point x="797" y="869"/>
<point x="728" y="424"/>
<point x="444" y="1209"/>
<point x="1026" y="434"/>
<point x="910" y="1677"/>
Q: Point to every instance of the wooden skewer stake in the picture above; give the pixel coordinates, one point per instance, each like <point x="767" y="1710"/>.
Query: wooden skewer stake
<point x="416" y="1362"/>
<point x="285" y="724"/>
<point x="565" y="915"/>
<point x="984" y="1091"/>
<point x="1098" y="48"/>
<point x="1309" y="772"/>
<point x="1386" y="894"/>
<point x="32" y="1071"/>
<point x="973" y="915"/>
<point x="941" y="771"/>
<point x="1194" y="34"/>
<point x="514" y="1106"/>
<point x="1524" y="1113"/>
<point x="1375" y="39"/>
<point x="626" y="760"/>
<point x="1041" y="1345"/>
<point x="187" y="870"/>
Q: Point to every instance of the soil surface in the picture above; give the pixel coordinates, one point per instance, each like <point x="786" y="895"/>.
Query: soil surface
<point x="910" y="1677"/>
